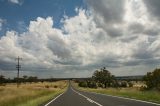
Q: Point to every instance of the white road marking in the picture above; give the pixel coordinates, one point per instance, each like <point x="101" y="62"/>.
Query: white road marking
<point x="54" y="99"/>
<point x="124" y="98"/>
<point x="90" y="100"/>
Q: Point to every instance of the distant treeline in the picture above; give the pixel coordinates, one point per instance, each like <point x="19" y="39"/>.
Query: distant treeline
<point x="25" y="79"/>
<point x="103" y="78"/>
<point x="120" y="78"/>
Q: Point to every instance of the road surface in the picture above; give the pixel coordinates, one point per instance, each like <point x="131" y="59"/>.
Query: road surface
<point x="73" y="97"/>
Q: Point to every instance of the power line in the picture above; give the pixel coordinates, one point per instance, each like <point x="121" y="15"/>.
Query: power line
<point x="18" y="66"/>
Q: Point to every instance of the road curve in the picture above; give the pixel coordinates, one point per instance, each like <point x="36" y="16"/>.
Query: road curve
<point x="73" y="97"/>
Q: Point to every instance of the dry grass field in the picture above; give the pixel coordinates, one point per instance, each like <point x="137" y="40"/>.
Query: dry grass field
<point x="30" y="94"/>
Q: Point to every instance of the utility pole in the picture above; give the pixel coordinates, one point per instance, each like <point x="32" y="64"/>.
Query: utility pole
<point x="18" y="66"/>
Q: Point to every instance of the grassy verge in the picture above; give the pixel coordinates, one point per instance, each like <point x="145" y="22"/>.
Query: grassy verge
<point x="41" y="100"/>
<point x="30" y="94"/>
<point x="151" y="96"/>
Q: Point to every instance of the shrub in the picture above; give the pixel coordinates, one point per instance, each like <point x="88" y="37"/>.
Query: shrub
<point x="115" y="84"/>
<point x="46" y="86"/>
<point x="152" y="79"/>
<point x="123" y="84"/>
<point x="82" y="84"/>
<point x="91" y="84"/>
<point x="100" y="85"/>
<point x="2" y="84"/>
<point x="143" y="88"/>
<point x="130" y="84"/>
<point x="55" y="86"/>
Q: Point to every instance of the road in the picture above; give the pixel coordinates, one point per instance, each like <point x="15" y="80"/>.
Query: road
<point x="73" y="97"/>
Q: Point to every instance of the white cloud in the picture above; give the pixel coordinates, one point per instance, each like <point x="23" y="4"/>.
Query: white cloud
<point x="2" y="21"/>
<point x="0" y="26"/>
<point x="16" y="1"/>
<point x="84" y="43"/>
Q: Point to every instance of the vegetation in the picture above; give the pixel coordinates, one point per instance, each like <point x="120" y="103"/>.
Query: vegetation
<point x="24" y="79"/>
<point x="152" y="79"/>
<point x="88" y="83"/>
<point x="2" y="80"/>
<point x="107" y="84"/>
<point x="83" y="84"/>
<point x="130" y="84"/>
<point x="152" y="95"/>
<point x="30" y="94"/>
<point x="103" y="77"/>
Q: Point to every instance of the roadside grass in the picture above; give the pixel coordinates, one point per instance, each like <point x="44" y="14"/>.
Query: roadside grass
<point x="41" y="100"/>
<point x="33" y="94"/>
<point x="134" y="93"/>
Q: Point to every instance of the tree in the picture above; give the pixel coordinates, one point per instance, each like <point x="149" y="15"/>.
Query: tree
<point x="91" y="84"/>
<point x="2" y="79"/>
<point x="103" y="76"/>
<point x="25" y="77"/>
<point x="32" y="79"/>
<point x="152" y="79"/>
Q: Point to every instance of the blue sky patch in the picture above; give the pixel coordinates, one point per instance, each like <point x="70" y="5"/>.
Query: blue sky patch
<point x="19" y="16"/>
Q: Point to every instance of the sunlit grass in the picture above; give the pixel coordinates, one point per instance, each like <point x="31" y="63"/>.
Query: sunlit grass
<point x="28" y="94"/>
<point x="152" y="95"/>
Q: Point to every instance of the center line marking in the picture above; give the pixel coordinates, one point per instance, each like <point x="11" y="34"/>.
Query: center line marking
<point x="88" y="99"/>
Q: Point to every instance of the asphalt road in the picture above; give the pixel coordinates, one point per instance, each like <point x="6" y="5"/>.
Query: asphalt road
<point x="73" y="97"/>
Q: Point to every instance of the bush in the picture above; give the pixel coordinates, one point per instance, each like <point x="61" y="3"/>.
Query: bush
<point x="152" y="79"/>
<point x="100" y="85"/>
<point x="91" y="84"/>
<point x="55" y="86"/>
<point x="115" y="84"/>
<point x="130" y="84"/>
<point x="46" y="86"/>
<point x="82" y="84"/>
<point x="123" y="84"/>
<point x="158" y="88"/>
<point x="2" y="84"/>
<point x="143" y="88"/>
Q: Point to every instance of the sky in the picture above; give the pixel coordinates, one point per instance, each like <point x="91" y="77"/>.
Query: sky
<point x="73" y="38"/>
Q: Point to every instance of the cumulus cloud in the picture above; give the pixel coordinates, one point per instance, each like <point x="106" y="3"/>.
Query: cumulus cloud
<point x="153" y="7"/>
<point x="16" y="1"/>
<point x="108" y="15"/>
<point x="2" y="21"/>
<point x="116" y="34"/>
<point x="110" y="11"/>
